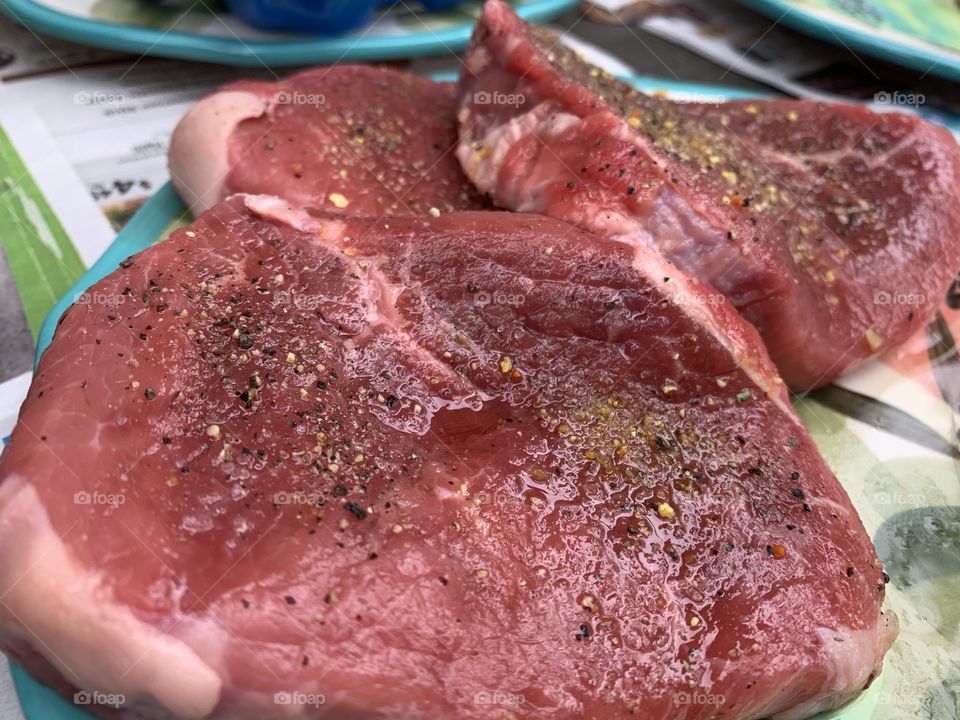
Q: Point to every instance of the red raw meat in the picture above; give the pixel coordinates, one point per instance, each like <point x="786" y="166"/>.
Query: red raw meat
<point x="833" y="229"/>
<point x="359" y="139"/>
<point x="475" y="465"/>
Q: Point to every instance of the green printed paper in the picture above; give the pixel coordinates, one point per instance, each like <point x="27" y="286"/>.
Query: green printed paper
<point x="911" y="508"/>
<point x="43" y="261"/>
<point x="932" y="21"/>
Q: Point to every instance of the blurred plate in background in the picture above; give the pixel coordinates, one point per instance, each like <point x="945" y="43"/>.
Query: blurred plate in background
<point x="920" y="34"/>
<point x="199" y="33"/>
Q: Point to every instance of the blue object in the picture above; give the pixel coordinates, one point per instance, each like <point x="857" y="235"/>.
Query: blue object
<point x="246" y="52"/>
<point x="320" y="17"/>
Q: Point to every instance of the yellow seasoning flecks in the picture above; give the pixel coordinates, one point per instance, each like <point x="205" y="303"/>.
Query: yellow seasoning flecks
<point x="339" y="200"/>
<point x="666" y="511"/>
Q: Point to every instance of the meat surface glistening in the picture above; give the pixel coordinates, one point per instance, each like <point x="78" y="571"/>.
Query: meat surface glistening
<point x="833" y="229"/>
<point x="289" y="463"/>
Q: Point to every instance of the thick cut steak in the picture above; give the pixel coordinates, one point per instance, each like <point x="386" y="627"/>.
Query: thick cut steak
<point x="357" y="139"/>
<point x="833" y="229"/>
<point x="483" y="464"/>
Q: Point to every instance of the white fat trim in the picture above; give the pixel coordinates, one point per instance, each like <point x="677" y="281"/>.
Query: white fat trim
<point x="199" y="156"/>
<point x="273" y="208"/>
<point x="62" y="611"/>
<point x="851" y="657"/>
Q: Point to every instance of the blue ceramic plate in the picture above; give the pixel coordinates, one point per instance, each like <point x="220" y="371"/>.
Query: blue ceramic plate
<point x="197" y="33"/>
<point x="151" y="224"/>
<point x="920" y="34"/>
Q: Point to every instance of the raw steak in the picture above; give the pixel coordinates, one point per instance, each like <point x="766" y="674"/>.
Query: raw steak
<point x="833" y="229"/>
<point x="483" y="465"/>
<point x="360" y="139"/>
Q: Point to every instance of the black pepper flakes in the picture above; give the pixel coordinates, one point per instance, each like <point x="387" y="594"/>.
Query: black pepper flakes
<point x="358" y="511"/>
